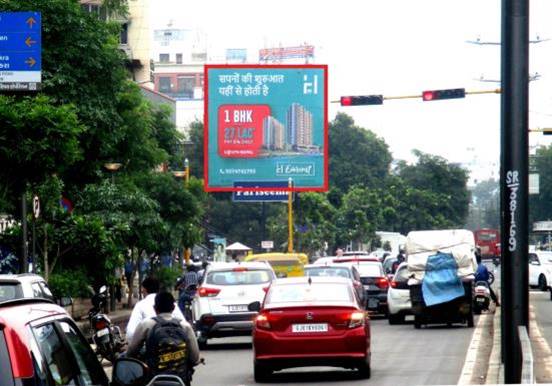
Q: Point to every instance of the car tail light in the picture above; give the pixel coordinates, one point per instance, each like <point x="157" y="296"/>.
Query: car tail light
<point x="393" y="284"/>
<point x="382" y="282"/>
<point x="208" y="319"/>
<point x="357" y="319"/>
<point x="208" y="292"/>
<point x="261" y="321"/>
<point x="100" y="324"/>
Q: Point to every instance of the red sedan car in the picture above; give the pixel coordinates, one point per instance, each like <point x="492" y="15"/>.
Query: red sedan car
<point x="310" y="321"/>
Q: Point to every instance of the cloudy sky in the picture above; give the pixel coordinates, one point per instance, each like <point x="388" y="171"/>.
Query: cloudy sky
<point x="392" y="47"/>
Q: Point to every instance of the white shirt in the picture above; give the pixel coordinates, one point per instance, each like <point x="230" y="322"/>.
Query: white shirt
<point x="144" y="310"/>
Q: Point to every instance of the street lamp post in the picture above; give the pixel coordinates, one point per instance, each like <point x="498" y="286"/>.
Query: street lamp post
<point x="186" y="175"/>
<point x="112" y="167"/>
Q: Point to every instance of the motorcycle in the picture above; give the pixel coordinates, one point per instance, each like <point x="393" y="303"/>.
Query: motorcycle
<point x="482" y="297"/>
<point x="132" y="372"/>
<point x="105" y="336"/>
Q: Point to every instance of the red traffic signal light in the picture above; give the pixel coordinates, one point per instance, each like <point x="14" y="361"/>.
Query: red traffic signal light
<point x="360" y="100"/>
<point x="452" y="93"/>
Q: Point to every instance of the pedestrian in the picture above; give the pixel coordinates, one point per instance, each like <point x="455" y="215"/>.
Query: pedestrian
<point x="170" y="344"/>
<point x="482" y="274"/>
<point x="144" y="309"/>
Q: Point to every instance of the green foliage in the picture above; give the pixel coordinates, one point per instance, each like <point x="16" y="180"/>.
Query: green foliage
<point x="196" y="156"/>
<point x="167" y="277"/>
<point x="70" y="283"/>
<point x="358" y="156"/>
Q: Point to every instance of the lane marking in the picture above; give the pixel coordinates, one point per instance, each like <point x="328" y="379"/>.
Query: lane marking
<point x="471" y="356"/>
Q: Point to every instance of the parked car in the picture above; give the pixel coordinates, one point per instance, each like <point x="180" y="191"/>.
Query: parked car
<point x="219" y="308"/>
<point x="25" y="285"/>
<point x="540" y="270"/>
<point x="398" y="296"/>
<point x="347" y="270"/>
<point x="40" y="345"/>
<point x="310" y="321"/>
<point x="374" y="280"/>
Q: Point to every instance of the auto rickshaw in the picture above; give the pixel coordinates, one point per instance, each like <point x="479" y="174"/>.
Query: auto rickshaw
<point x="284" y="264"/>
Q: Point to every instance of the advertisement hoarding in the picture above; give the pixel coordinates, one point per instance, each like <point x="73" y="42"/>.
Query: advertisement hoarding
<point x="266" y="123"/>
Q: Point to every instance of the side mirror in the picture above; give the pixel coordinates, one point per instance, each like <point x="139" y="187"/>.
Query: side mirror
<point x="254" y="307"/>
<point x="65" y="301"/>
<point x="129" y="372"/>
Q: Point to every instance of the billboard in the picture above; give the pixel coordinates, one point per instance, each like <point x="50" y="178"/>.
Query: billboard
<point x="266" y="123"/>
<point x="283" y="53"/>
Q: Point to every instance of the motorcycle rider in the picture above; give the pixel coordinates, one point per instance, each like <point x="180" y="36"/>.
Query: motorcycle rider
<point x="400" y="258"/>
<point x="144" y="308"/>
<point x="173" y="351"/>
<point x="187" y="287"/>
<point x="482" y="274"/>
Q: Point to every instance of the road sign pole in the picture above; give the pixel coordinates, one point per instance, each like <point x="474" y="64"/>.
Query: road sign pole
<point x="290" y="216"/>
<point x="24" y="247"/>
<point x="514" y="182"/>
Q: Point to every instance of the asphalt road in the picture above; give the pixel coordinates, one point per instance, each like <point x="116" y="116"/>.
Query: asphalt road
<point x="543" y="312"/>
<point x="401" y="355"/>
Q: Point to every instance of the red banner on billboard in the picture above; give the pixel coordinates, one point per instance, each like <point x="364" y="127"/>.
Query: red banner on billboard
<point x="240" y="130"/>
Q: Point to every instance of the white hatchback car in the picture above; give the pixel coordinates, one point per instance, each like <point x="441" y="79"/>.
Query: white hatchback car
<point x="220" y="306"/>
<point x="398" y="296"/>
<point x="540" y="269"/>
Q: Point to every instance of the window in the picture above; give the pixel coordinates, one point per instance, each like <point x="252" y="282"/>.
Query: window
<point x="165" y="84"/>
<point x="327" y="271"/>
<point x="124" y="34"/>
<point x="370" y="270"/>
<point x="186" y="86"/>
<point x="37" y="292"/>
<point x="5" y="363"/>
<point x="533" y="258"/>
<point x="401" y="275"/>
<point x="164" y="58"/>
<point x="315" y="292"/>
<point x="238" y="277"/>
<point x="58" y="359"/>
<point x="9" y="291"/>
<point x="179" y="58"/>
<point x="91" y="372"/>
<point x="46" y="291"/>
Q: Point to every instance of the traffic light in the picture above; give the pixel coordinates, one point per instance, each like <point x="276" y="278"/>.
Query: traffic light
<point x="360" y="100"/>
<point x="452" y="93"/>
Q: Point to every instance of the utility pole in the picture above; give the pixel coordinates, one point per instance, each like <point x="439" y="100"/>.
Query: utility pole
<point x="514" y="181"/>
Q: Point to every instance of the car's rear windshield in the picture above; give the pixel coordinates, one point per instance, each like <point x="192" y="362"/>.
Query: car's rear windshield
<point x="10" y="291"/>
<point x="238" y="277"/>
<point x="370" y="270"/>
<point x="327" y="271"/>
<point x="310" y="293"/>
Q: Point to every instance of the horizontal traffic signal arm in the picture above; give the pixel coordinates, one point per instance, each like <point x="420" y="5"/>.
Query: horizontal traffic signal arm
<point x="427" y="96"/>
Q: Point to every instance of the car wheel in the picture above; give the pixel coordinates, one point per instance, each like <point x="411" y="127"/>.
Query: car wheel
<point x="543" y="286"/>
<point x="364" y="369"/>
<point x="261" y="373"/>
<point x="202" y="342"/>
<point x="396" y="318"/>
<point x="417" y="322"/>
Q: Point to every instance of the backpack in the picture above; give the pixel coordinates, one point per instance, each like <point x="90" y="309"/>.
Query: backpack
<point x="166" y="348"/>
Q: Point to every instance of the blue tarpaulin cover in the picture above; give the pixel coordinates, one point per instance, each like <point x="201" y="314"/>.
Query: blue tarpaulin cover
<point x="441" y="283"/>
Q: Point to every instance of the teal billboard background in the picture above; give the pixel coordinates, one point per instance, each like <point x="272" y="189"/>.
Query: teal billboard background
<point x="296" y="97"/>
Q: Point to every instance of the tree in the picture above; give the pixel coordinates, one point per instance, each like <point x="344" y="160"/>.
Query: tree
<point x="315" y="227"/>
<point x="196" y="156"/>
<point x="445" y="180"/>
<point x="539" y="204"/>
<point x="357" y="155"/>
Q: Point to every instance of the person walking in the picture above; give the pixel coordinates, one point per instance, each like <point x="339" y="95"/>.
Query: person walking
<point x="144" y="309"/>
<point x="170" y="344"/>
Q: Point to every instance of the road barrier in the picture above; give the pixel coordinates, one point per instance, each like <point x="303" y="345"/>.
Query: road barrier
<point x="527" y="375"/>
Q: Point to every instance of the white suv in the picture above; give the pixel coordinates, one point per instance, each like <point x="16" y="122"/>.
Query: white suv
<point x="220" y="306"/>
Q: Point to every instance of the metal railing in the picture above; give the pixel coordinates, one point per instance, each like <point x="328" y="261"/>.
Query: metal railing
<point x="527" y="375"/>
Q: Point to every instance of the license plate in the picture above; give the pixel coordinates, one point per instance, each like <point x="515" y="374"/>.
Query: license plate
<point x="238" y="308"/>
<point x="373" y="303"/>
<point x="102" y="332"/>
<point x="311" y="327"/>
<point x="479" y="300"/>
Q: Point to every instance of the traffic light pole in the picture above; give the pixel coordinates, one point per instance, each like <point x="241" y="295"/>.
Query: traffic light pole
<point x="514" y="182"/>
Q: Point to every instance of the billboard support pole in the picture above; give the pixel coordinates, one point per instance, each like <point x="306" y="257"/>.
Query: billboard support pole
<point x="290" y="216"/>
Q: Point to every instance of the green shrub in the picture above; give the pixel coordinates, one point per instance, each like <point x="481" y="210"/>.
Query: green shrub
<point x="167" y="277"/>
<point x="72" y="283"/>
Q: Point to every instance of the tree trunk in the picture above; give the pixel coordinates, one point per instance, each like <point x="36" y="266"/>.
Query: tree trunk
<point x="46" y="265"/>
<point x="131" y="280"/>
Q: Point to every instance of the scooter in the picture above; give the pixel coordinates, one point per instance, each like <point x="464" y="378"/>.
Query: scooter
<point x="106" y="337"/>
<point x="482" y="297"/>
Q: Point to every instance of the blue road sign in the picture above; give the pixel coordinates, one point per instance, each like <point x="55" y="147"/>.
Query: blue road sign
<point x="260" y="195"/>
<point x="20" y="51"/>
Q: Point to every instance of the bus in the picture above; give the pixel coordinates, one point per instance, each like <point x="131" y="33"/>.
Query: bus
<point x="489" y="242"/>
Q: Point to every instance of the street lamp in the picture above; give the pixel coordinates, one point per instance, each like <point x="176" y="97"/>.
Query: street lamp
<point x="112" y="167"/>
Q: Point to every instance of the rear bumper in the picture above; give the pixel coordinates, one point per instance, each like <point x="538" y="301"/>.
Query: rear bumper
<point x="224" y="325"/>
<point x="376" y="302"/>
<point x="352" y="344"/>
<point x="349" y="361"/>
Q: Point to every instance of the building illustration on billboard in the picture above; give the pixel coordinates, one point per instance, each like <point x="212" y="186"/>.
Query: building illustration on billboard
<point x="266" y="123"/>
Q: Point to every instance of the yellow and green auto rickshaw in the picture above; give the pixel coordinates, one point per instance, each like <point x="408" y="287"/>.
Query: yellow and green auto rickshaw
<point x="284" y="264"/>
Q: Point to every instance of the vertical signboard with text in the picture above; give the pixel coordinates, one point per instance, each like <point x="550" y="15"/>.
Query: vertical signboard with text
<point x="266" y="124"/>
